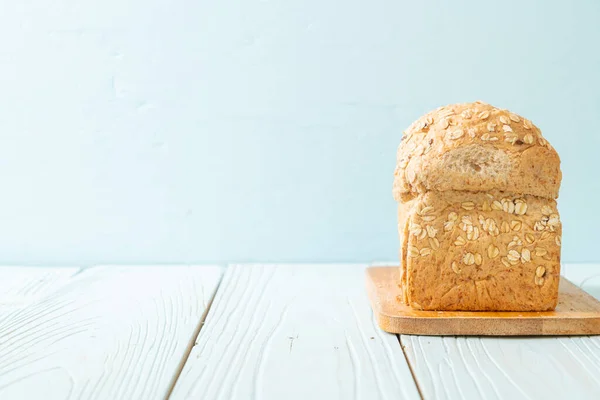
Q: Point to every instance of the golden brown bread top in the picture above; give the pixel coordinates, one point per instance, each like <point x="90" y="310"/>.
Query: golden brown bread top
<point x="475" y="147"/>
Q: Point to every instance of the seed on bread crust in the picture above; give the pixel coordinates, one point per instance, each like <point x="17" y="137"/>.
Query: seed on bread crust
<point x="468" y="205"/>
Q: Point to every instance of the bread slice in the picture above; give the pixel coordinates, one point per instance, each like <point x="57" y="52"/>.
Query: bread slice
<point x="478" y="222"/>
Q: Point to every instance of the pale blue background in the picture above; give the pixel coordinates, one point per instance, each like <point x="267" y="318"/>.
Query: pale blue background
<point x="201" y="131"/>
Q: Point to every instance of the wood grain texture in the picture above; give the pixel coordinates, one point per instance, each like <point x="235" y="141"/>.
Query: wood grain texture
<point x="22" y="285"/>
<point x="99" y="333"/>
<point x="505" y="368"/>
<point x="577" y="313"/>
<point x="509" y="367"/>
<point x="294" y="332"/>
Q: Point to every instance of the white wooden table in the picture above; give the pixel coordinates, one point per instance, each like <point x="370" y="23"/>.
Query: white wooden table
<point x="256" y="331"/>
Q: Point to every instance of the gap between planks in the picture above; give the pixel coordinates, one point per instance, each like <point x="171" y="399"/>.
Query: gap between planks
<point x="193" y="340"/>
<point x="410" y="367"/>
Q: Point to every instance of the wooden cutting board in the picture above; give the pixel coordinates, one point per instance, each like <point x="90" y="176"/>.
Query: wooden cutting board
<point x="577" y="313"/>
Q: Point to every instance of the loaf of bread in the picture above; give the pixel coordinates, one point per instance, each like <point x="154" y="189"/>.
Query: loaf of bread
<point x="477" y="216"/>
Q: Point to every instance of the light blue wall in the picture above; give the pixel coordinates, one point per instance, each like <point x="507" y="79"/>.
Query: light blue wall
<point x="165" y="131"/>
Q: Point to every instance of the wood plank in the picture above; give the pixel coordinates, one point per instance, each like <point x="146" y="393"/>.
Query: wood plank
<point x="577" y="313"/>
<point x="99" y="333"/>
<point x="507" y="368"/>
<point x="294" y="332"/>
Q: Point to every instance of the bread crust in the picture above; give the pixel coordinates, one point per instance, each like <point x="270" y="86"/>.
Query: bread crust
<point x="476" y="147"/>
